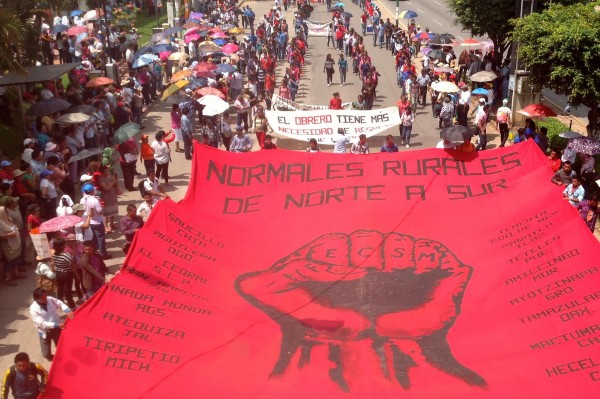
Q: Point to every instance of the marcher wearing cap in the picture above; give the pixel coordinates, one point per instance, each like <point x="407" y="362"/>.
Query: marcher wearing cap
<point x="93" y="206"/>
<point x="6" y="172"/>
<point x="28" y="145"/>
<point x="241" y="142"/>
<point x="503" y="121"/>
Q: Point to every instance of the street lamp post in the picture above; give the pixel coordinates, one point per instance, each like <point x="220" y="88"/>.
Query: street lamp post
<point x="397" y="11"/>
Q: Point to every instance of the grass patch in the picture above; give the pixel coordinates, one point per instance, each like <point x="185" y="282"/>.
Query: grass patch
<point x="145" y="23"/>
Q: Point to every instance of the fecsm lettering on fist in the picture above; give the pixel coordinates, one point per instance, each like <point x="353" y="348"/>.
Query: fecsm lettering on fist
<point x="385" y="289"/>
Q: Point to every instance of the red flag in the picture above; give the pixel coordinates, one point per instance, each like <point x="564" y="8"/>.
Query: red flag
<point x="422" y="274"/>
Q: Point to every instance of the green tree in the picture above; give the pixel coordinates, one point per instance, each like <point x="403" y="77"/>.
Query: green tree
<point x="560" y="47"/>
<point x="11" y="32"/>
<point x="486" y="18"/>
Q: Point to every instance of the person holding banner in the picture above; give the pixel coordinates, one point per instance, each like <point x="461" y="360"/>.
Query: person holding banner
<point x="340" y="140"/>
<point x="336" y="101"/>
<point x="361" y="146"/>
<point x="243" y="107"/>
<point x="389" y="145"/>
<point x="241" y="142"/>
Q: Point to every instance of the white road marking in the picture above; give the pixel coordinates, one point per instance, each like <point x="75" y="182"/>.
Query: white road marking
<point x="460" y="38"/>
<point x="421" y="11"/>
<point x="437" y="2"/>
<point x="436" y="21"/>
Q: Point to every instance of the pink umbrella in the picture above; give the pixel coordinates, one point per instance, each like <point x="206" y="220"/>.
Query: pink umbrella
<point x="191" y="38"/>
<point x="230" y="48"/>
<point x="218" y="35"/>
<point x="191" y="30"/>
<point x="60" y="223"/>
<point x="75" y="30"/>
<point x="164" y="55"/>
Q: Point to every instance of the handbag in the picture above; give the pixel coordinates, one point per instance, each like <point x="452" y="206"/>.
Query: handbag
<point x="10" y="252"/>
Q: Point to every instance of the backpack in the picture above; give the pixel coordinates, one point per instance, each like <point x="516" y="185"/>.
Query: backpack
<point x="142" y="188"/>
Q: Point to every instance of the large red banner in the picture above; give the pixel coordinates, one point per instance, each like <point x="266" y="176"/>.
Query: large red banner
<point x="424" y="274"/>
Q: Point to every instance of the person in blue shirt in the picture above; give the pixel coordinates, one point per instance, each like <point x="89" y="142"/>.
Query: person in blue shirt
<point x="389" y="145"/>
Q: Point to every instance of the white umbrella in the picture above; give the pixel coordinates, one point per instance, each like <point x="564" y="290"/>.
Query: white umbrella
<point x="90" y="15"/>
<point x="213" y="105"/>
<point x="483" y="76"/>
<point x="75" y="117"/>
<point x="444" y="87"/>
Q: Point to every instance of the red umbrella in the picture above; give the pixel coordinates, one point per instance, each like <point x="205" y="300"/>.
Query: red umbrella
<point x="75" y="30"/>
<point x="470" y="43"/>
<point x="164" y="55"/>
<point x="537" y="111"/>
<point x="195" y="29"/>
<point x="212" y="91"/>
<point x="60" y="223"/>
<point x="205" y="67"/>
<point x="101" y="81"/>
<point x="204" y="74"/>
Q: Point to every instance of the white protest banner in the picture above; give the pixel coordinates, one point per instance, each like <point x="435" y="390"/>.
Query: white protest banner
<point x="283" y="104"/>
<point x="323" y="125"/>
<point x="41" y="245"/>
<point x="317" y="28"/>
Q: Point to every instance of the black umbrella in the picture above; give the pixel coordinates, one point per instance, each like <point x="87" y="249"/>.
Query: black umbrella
<point x="436" y="54"/>
<point x="448" y="35"/>
<point x="456" y="134"/>
<point x="48" y="107"/>
<point x="173" y="30"/>
<point x="83" y="154"/>
<point x="143" y="50"/>
<point x="441" y="40"/>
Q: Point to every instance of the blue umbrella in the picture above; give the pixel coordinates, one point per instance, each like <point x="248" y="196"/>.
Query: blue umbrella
<point x="198" y="82"/>
<point x="75" y="12"/>
<point x="193" y="20"/>
<point x="220" y="42"/>
<point x="144" y="59"/>
<point x="339" y="4"/>
<point x="81" y="37"/>
<point x="173" y="30"/>
<point x="225" y="68"/>
<point x="159" y="48"/>
<point x="408" y="14"/>
<point x="480" y="92"/>
<point x="143" y="50"/>
<point x="59" y="28"/>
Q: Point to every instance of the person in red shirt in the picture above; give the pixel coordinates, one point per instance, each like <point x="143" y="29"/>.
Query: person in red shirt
<point x="335" y="102"/>
<point x="554" y="161"/>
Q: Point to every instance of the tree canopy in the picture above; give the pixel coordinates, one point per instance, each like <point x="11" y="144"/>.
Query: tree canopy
<point x="560" y="47"/>
<point x="486" y="18"/>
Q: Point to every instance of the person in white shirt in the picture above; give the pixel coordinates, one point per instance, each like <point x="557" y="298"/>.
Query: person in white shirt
<point x="464" y="101"/>
<point x="360" y="146"/>
<point x="503" y="121"/>
<point x="93" y="207"/>
<point x="44" y="314"/>
<point x="146" y="207"/>
<point x="152" y="187"/>
<point x="340" y="140"/>
<point x="162" y="155"/>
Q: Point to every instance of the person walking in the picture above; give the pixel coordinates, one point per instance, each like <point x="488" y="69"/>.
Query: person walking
<point x="44" y="314"/>
<point x="343" y="66"/>
<point x="503" y="121"/>
<point x="186" y="133"/>
<point x="26" y="379"/>
<point x="407" y="119"/>
<point x="63" y="264"/>
<point x="162" y="156"/>
<point x="328" y="68"/>
<point x="481" y="127"/>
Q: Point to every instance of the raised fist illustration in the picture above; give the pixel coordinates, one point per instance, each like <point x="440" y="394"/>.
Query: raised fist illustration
<point x="366" y="285"/>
